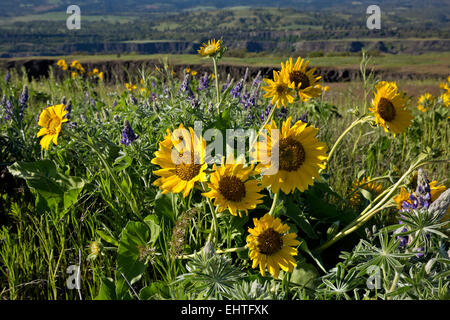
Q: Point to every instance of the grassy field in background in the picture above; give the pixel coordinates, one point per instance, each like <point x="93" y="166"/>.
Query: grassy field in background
<point x="435" y="63"/>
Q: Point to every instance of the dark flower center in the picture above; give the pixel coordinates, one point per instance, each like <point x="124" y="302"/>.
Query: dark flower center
<point x="269" y="242"/>
<point x="291" y="154"/>
<point x="386" y="109"/>
<point x="281" y="89"/>
<point x="299" y="77"/>
<point x="232" y="188"/>
<point x="186" y="168"/>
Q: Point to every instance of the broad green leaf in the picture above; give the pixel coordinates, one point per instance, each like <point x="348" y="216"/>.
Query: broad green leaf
<point x="297" y="215"/>
<point x="107" y="238"/>
<point x="54" y="190"/>
<point x="304" y="275"/>
<point x="131" y="252"/>
<point x="107" y="290"/>
<point x="152" y="222"/>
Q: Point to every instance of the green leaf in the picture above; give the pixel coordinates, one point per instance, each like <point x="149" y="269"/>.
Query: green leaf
<point x="399" y="291"/>
<point x="107" y="238"/>
<point x="55" y="191"/>
<point x="296" y="214"/>
<point x="304" y="275"/>
<point x="154" y="289"/>
<point x="163" y="206"/>
<point x="107" y="290"/>
<point x="131" y="252"/>
<point x="152" y="222"/>
<point x="122" y="162"/>
<point x="366" y="194"/>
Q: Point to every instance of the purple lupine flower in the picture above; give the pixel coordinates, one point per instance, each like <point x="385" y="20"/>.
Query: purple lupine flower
<point x="153" y="97"/>
<point x="133" y="100"/>
<point x="227" y="84"/>
<point x="204" y="82"/>
<point x="23" y="101"/>
<point x="68" y="108"/>
<point x="114" y="104"/>
<point x="304" y="117"/>
<point x="9" y="109"/>
<point x="154" y="85"/>
<point x="195" y="103"/>
<point x="420" y="252"/>
<point x="248" y="101"/>
<point x="72" y="125"/>
<point x="256" y="81"/>
<point x="236" y="91"/>
<point x="165" y="89"/>
<point x="185" y="84"/>
<point x="210" y="107"/>
<point x="128" y="135"/>
<point x="283" y="113"/>
<point x="404" y="239"/>
<point x="265" y="113"/>
<point x="93" y="103"/>
<point x="7" y="77"/>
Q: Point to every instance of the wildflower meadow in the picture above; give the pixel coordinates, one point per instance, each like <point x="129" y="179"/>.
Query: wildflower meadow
<point x="196" y="185"/>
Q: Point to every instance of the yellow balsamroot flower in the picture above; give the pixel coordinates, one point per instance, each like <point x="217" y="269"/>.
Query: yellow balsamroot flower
<point x="302" y="80"/>
<point x="130" y="86"/>
<point x="445" y="98"/>
<point x="51" y="120"/>
<point x="271" y="246"/>
<point x="425" y="100"/>
<point x="231" y="188"/>
<point x="194" y="73"/>
<point x="181" y="158"/>
<point x="400" y="198"/>
<point x="62" y="64"/>
<point x="300" y="156"/>
<point x="445" y="86"/>
<point x="210" y="48"/>
<point x="100" y="75"/>
<point x="388" y="107"/>
<point x="74" y="75"/>
<point x="188" y="70"/>
<point x="77" y="65"/>
<point x="436" y="190"/>
<point x="279" y="89"/>
<point x="373" y="187"/>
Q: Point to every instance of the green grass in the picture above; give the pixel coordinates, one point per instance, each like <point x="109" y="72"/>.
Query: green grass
<point x="417" y="63"/>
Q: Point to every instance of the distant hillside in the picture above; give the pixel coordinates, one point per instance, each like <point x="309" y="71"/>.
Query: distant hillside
<point x="26" y="7"/>
<point x="130" y="26"/>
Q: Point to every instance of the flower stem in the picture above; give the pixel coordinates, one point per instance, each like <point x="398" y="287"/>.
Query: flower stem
<point x="274" y="203"/>
<point x="217" y="84"/>
<point x="354" y="124"/>
<point x="369" y="212"/>
<point x="214" y="219"/>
